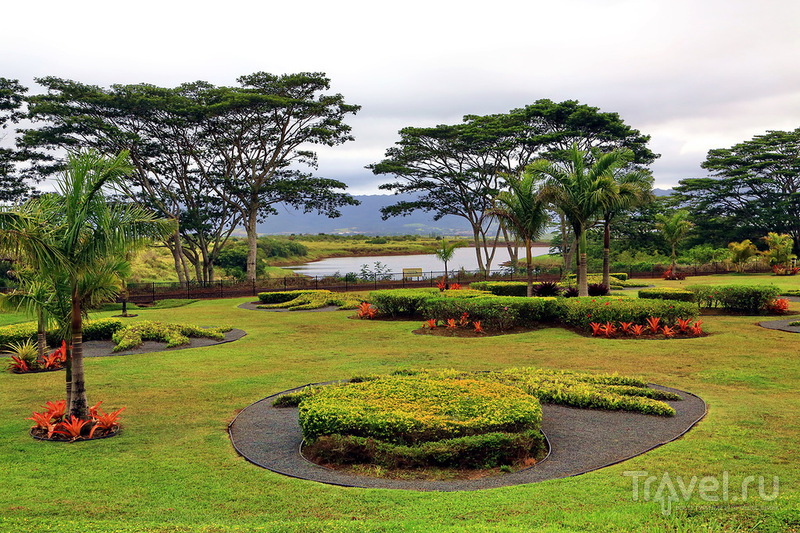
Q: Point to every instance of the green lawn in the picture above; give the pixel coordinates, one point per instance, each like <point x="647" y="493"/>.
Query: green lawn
<point x="173" y="468"/>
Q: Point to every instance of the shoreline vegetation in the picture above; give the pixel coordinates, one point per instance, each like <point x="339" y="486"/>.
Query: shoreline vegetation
<point x="155" y="264"/>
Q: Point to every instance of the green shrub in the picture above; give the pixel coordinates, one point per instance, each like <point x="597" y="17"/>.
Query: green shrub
<point x="667" y="293"/>
<point x="281" y="296"/>
<point x="101" y="329"/>
<point x="750" y="299"/>
<point x="578" y="389"/>
<point x="401" y="302"/>
<point x="93" y="330"/>
<point x="580" y="312"/>
<point x="173" y="334"/>
<point x="497" y="312"/>
<point x="501" y="288"/>
<point x="304" y="300"/>
<point x="622" y="276"/>
<point x="474" y="451"/>
<point x="410" y="410"/>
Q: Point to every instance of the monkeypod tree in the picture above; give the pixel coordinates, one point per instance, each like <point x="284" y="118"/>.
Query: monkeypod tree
<point x="753" y="188"/>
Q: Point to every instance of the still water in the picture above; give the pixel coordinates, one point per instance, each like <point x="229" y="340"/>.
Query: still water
<point x="462" y="258"/>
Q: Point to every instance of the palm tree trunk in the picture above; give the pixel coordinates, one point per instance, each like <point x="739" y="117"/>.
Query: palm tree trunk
<point x="78" y="405"/>
<point x="607" y="253"/>
<point x="529" y="265"/>
<point x="583" y="286"/>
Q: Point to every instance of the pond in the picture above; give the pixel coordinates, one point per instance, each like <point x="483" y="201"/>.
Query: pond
<point x="462" y="258"/>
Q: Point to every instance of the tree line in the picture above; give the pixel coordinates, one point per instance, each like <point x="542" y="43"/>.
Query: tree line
<point x="213" y="158"/>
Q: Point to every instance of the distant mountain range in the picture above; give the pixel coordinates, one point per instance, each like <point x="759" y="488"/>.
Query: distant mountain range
<point x="365" y="219"/>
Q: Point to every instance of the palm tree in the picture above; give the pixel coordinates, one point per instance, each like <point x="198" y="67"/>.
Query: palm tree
<point x="444" y="252"/>
<point x="523" y="211"/>
<point x="84" y="231"/>
<point x="674" y="228"/>
<point x="579" y="188"/>
<point x="634" y="189"/>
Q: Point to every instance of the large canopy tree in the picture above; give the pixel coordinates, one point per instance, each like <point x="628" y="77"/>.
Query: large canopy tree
<point x="73" y="234"/>
<point x="580" y="186"/>
<point x="456" y="169"/>
<point x="209" y="157"/>
<point x="12" y="182"/>
<point x="754" y="188"/>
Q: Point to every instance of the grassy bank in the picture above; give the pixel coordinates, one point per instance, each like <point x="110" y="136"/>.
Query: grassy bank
<point x="173" y="469"/>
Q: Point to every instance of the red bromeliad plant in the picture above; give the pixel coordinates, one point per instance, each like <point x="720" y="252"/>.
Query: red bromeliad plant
<point x="464" y="320"/>
<point x="477" y="325"/>
<point x="608" y="329"/>
<point x="104" y="421"/>
<point x="637" y="330"/>
<point x="442" y="285"/>
<point x="71" y="427"/>
<point x="18" y="365"/>
<point x="625" y="327"/>
<point x="451" y="323"/>
<point x="430" y="323"/>
<point x="455" y="286"/>
<point x="696" y="329"/>
<point x="683" y="324"/>
<point x="779" y="306"/>
<point x="366" y="310"/>
<point x="597" y="328"/>
<point x="668" y="331"/>
<point x="652" y="322"/>
<point x="53" y="422"/>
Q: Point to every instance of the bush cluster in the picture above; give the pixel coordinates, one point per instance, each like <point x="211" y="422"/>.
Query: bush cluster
<point x="173" y="334"/>
<point x="580" y="312"/>
<point x="302" y="300"/>
<point x="93" y="330"/>
<point x="497" y="312"/>
<point x="408" y="302"/>
<point x="475" y="451"/>
<point x="408" y="410"/>
<point x="667" y="293"/>
<point x="750" y="299"/>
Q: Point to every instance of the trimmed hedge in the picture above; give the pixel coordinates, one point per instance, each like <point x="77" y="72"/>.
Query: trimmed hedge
<point x="282" y="296"/>
<point x="303" y="300"/>
<point x="580" y="312"/>
<point x="475" y="451"/>
<point x="410" y="410"/>
<point x="407" y="302"/>
<point x="500" y="312"/>
<point x="667" y="293"/>
<point x="501" y="288"/>
<point x="93" y="330"/>
<point x="751" y="299"/>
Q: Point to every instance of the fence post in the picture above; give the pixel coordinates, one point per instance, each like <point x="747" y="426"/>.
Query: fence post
<point x="316" y="282"/>
<point x="154" y="292"/>
<point x="221" y="291"/>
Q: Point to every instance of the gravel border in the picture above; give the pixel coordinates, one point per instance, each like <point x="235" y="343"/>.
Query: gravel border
<point x="781" y="325"/>
<point x="581" y="440"/>
<point x="106" y="348"/>
<point x="253" y="306"/>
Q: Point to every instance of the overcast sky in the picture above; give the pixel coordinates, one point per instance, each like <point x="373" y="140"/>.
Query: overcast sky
<point x="693" y="74"/>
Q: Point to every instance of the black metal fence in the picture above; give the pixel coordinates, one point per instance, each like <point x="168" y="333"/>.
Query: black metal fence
<point x="150" y="292"/>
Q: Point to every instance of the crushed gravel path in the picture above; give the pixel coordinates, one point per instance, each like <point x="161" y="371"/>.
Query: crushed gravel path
<point x="106" y="348"/>
<point x="581" y="440"/>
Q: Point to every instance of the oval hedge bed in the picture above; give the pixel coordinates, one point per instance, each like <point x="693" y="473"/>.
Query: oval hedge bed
<point x="420" y="421"/>
<point x="580" y="440"/>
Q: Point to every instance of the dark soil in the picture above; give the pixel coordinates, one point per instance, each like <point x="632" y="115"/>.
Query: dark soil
<point x="41" y="434"/>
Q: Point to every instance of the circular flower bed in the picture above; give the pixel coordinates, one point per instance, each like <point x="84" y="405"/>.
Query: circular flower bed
<point x="53" y="424"/>
<point x="420" y="421"/>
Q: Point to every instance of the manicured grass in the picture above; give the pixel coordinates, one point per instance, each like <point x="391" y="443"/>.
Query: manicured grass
<point x="173" y="469"/>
